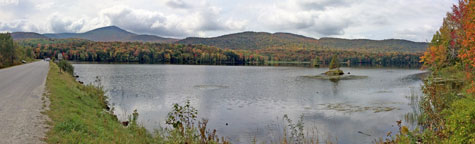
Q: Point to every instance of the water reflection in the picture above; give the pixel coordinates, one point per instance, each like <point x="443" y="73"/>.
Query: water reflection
<point x="252" y="100"/>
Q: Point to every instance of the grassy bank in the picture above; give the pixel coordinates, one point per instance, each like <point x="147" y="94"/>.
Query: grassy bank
<point x="78" y="114"/>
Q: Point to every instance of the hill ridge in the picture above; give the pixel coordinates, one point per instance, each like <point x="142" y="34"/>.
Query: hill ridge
<point x="246" y="40"/>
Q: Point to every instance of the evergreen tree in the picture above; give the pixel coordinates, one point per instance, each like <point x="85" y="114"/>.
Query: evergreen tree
<point x="315" y="62"/>
<point x="7" y="49"/>
<point x="335" y="63"/>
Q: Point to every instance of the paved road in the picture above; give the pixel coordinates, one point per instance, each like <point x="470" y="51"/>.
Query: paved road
<point x="21" y="92"/>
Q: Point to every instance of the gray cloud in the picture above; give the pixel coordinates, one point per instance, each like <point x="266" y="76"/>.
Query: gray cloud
<point x="60" y="24"/>
<point x="18" y="26"/>
<point x="316" y="18"/>
<point x="177" y="4"/>
<point x="141" y="21"/>
<point x="150" y="22"/>
<point x="12" y="26"/>
<point x="323" y="4"/>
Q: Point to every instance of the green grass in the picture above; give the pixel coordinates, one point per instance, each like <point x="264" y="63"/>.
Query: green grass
<point x="78" y="114"/>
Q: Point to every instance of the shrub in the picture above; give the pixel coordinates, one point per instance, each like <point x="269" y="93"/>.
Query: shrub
<point x="460" y="121"/>
<point x="66" y="66"/>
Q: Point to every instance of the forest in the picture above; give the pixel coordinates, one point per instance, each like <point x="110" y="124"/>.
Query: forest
<point x="145" y="52"/>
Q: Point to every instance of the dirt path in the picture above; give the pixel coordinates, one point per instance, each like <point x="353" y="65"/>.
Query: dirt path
<point x="21" y="103"/>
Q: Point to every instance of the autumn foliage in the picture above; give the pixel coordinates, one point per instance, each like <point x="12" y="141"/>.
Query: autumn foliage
<point x="454" y="43"/>
<point x="467" y="53"/>
<point x="447" y="107"/>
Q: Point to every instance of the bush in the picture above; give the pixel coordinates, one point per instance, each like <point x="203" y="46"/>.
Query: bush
<point x="460" y="121"/>
<point x="184" y="128"/>
<point x="336" y="72"/>
<point x="66" y="66"/>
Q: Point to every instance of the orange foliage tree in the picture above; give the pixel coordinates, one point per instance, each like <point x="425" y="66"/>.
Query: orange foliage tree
<point x="467" y="52"/>
<point x="445" y="45"/>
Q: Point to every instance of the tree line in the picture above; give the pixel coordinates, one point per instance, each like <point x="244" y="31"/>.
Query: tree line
<point x="139" y="52"/>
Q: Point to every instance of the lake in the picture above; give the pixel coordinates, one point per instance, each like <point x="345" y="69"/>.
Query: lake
<point x="254" y="99"/>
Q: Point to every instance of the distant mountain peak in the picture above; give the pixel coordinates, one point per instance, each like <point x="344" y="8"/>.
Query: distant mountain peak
<point x="110" y="29"/>
<point x="112" y="33"/>
<point x="115" y="28"/>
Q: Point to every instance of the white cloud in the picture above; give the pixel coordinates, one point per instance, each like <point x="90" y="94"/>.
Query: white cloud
<point x="152" y="22"/>
<point x="374" y="19"/>
<point x="46" y="5"/>
<point x="8" y="2"/>
<point x="316" y="18"/>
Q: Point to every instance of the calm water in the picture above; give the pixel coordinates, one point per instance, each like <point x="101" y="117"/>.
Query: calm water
<point x="253" y="100"/>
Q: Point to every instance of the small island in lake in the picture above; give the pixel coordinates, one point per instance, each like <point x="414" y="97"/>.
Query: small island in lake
<point x="335" y="73"/>
<point x="334" y="68"/>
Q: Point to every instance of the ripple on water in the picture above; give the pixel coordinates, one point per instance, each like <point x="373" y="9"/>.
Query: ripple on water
<point x="210" y="87"/>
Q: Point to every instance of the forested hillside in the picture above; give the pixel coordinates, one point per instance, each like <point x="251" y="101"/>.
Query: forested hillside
<point x="104" y="34"/>
<point x="254" y="40"/>
<point x="388" y="45"/>
<point x="263" y="40"/>
<point x="27" y="35"/>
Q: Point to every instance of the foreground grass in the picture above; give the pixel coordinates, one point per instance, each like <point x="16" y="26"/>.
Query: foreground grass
<point x="78" y="114"/>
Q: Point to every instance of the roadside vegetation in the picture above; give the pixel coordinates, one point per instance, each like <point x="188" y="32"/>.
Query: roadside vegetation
<point x="80" y="114"/>
<point x="448" y="105"/>
<point x="11" y="53"/>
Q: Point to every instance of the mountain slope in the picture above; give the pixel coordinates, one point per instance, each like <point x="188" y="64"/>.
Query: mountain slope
<point x="111" y="33"/>
<point x="27" y="35"/>
<point x="250" y="40"/>
<point x="388" y="44"/>
<point x="263" y="40"/>
<point x="243" y="40"/>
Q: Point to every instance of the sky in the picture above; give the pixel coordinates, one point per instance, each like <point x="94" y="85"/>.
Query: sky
<point x="415" y="20"/>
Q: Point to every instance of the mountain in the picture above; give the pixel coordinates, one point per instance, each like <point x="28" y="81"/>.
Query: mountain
<point x="263" y="40"/>
<point x="243" y="41"/>
<point x="388" y="44"/>
<point x="27" y="35"/>
<point x="250" y="40"/>
<point x="111" y="33"/>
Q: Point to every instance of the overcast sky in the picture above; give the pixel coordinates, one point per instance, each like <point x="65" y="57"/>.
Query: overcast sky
<point x="374" y="19"/>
